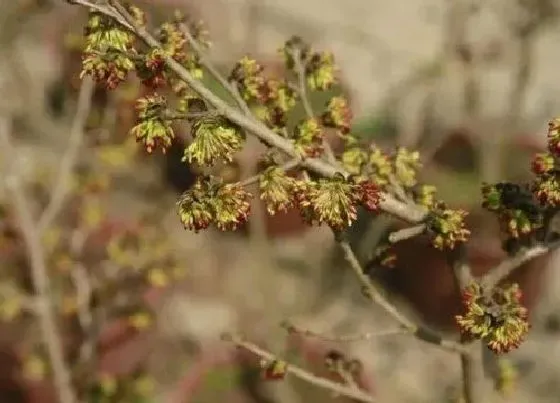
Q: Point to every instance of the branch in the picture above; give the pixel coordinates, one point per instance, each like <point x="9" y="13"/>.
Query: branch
<point x="371" y="291"/>
<point x="472" y="369"/>
<point x="291" y="328"/>
<point x="62" y="184"/>
<point x="339" y="389"/>
<point x="39" y="274"/>
<point x="507" y="266"/>
<point x="406" y="233"/>
<point x="231" y="88"/>
<point x="388" y="203"/>
<point x="461" y="270"/>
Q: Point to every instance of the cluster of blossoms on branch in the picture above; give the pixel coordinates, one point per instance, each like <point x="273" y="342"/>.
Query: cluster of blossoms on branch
<point x="111" y="53"/>
<point x="365" y="172"/>
<point x="498" y="317"/>
<point x="524" y="212"/>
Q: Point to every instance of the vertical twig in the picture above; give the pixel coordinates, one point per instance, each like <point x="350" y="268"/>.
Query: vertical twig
<point x="39" y="273"/>
<point x="472" y="369"/>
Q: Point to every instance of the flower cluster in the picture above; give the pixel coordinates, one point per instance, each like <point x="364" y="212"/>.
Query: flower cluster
<point x="270" y="99"/>
<point x="247" y="75"/>
<point x="308" y="138"/>
<point x="319" y="68"/>
<point x="108" y="49"/>
<point x="406" y="164"/>
<point x="320" y="71"/>
<point x="277" y="100"/>
<point x="153" y="129"/>
<point x="446" y="227"/>
<point x="498" y="318"/>
<point x="198" y="33"/>
<point x="518" y="213"/>
<point x="553" y="137"/>
<point x="374" y="164"/>
<point x="338" y="115"/>
<point x="276" y="189"/>
<point x="424" y="195"/>
<point x="214" y="139"/>
<point x="211" y="201"/>
<point x="546" y="185"/>
<point x="274" y="370"/>
<point x="334" y="201"/>
<point x="523" y="210"/>
<point x="151" y="67"/>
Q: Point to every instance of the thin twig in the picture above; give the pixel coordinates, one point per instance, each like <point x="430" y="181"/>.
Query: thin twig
<point x="39" y="274"/>
<point x="507" y="266"/>
<point x="388" y="203"/>
<point x="62" y="183"/>
<point x="377" y="297"/>
<point x="102" y="10"/>
<point x="214" y="72"/>
<point x="406" y="233"/>
<point x="291" y="328"/>
<point x="472" y="370"/>
<point x="340" y="389"/>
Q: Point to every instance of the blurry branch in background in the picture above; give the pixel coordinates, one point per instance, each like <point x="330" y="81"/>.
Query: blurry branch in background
<point x="39" y="273"/>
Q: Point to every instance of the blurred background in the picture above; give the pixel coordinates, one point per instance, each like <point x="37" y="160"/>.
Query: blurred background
<point x="471" y="84"/>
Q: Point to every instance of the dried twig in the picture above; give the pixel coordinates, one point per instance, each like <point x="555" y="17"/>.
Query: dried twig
<point x="39" y="273"/>
<point x="340" y="389"/>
